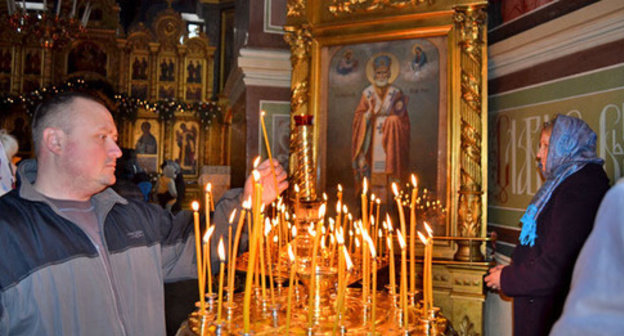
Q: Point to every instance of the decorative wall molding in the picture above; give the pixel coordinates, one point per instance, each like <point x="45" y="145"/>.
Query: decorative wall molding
<point x="588" y="27"/>
<point x="265" y="67"/>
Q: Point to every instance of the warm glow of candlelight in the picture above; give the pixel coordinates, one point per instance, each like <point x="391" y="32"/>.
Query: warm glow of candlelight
<point x="338" y="207"/>
<point x="395" y="189"/>
<point x="324" y="197"/>
<point x="414" y="181"/>
<point x="232" y="216"/>
<point x="221" y="251"/>
<point x="321" y="212"/>
<point x="339" y="187"/>
<point x="208" y="187"/>
<point x="428" y="228"/>
<point x="389" y="221"/>
<point x="256" y="162"/>
<point x="195" y="206"/>
<point x="400" y="239"/>
<point x="256" y="175"/>
<point x="422" y="238"/>
<point x="349" y="262"/>
<point x="364" y="186"/>
<point x="208" y="234"/>
<point x="296" y="188"/>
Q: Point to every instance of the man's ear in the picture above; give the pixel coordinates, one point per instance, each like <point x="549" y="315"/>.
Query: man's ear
<point x="53" y="139"/>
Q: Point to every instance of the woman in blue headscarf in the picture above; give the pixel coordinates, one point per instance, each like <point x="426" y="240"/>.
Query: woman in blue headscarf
<point x="554" y="226"/>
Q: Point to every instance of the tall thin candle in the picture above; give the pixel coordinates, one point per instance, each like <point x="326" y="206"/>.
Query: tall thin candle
<point x="268" y="148"/>
<point x="252" y="260"/>
<point x="207" y="262"/>
<point x="291" y="256"/>
<point x="412" y="235"/>
<point x="198" y="254"/>
<point x="221" y="250"/>
<point x="239" y="230"/>
<point x="403" y="277"/>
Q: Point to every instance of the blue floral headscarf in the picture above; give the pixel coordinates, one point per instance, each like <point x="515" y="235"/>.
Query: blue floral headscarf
<point x="572" y="146"/>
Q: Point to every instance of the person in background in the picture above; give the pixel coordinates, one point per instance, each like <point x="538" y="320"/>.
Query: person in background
<point x="82" y="259"/>
<point x="595" y="305"/>
<point x="554" y="226"/>
<point x="8" y="148"/>
<point x="166" y="191"/>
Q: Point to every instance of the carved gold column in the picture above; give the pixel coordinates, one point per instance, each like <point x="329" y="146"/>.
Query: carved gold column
<point x="470" y="26"/>
<point x="301" y="139"/>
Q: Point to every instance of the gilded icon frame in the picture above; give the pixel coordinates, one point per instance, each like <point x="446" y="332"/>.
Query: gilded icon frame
<point x="315" y="27"/>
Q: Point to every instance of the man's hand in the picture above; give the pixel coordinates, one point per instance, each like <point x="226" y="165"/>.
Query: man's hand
<point x="492" y="280"/>
<point x="268" y="183"/>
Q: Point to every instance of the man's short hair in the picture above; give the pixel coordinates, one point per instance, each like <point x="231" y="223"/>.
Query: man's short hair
<point x="50" y="111"/>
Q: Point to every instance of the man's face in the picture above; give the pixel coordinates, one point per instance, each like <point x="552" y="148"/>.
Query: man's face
<point x="91" y="149"/>
<point x="382" y="75"/>
<point x="542" y="152"/>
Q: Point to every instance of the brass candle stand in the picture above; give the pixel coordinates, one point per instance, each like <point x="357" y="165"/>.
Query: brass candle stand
<point x="269" y="319"/>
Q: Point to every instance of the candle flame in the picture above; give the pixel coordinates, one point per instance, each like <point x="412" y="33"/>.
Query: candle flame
<point x="321" y="212"/>
<point x="262" y="208"/>
<point x="262" y="113"/>
<point x="371" y="245"/>
<point x="395" y="189"/>
<point x="325" y="197"/>
<point x="350" y="217"/>
<point x="291" y="254"/>
<point x="221" y="250"/>
<point x="338" y="207"/>
<point x="372" y="197"/>
<point x="401" y="240"/>
<point x="364" y="186"/>
<point x="247" y="203"/>
<point x="378" y="201"/>
<point x="390" y="227"/>
<point x="256" y="175"/>
<point x="339" y="236"/>
<point x="267" y="226"/>
<point x="256" y="162"/>
<point x="311" y="230"/>
<point x="345" y="209"/>
<point x="428" y="228"/>
<point x="414" y="181"/>
<point x="389" y="242"/>
<point x="322" y="242"/>
<point x="208" y="187"/>
<point x="296" y="188"/>
<point x="232" y="216"/>
<point x="350" y="232"/>
<point x="208" y="233"/>
<point x="195" y="206"/>
<point x="422" y="238"/>
<point x="357" y="242"/>
<point x="275" y="240"/>
<point x="372" y="221"/>
<point x="384" y="224"/>
<point x="323" y="230"/>
<point x="348" y="261"/>
<point x="294" y="231"/>
<point x="380" y="233"/>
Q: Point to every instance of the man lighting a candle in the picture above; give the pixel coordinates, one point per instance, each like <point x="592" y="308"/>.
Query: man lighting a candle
<point x="77" y="258"/>
<point x="554" y="227"/>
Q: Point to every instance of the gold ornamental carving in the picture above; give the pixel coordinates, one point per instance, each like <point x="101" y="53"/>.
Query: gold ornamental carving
<point x="466" y="327"/>
<point x="338" y="7"/>
<point x="301" y="143"/>
<point x="470" y="26"/>
<point x="295" y="8"/>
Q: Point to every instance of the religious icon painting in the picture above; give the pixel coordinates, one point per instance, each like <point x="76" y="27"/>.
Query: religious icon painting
<point x="87" y="57"/>
<point x="138" y="68"/>
<point x="33" y="62"/>
<point x="390" y="96"/>
<point x="166" y="91"/>
<point x="194" y="77"/>
<point x="166" y="69"/>
<point x="146" y="136"/>
<point x="185" y="146"/>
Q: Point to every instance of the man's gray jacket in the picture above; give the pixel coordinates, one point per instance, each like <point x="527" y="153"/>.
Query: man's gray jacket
<point x="54" y="280"/>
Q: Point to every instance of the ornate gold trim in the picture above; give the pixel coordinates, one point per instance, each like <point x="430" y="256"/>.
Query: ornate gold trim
<point x="338" y="7"/>
<point x="470" y="25"/>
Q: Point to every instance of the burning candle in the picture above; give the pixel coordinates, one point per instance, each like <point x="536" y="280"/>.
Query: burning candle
<point x="365" y="270"/>
<point x="412" y="234"/>
<point x="403" y="277"/>
<point x="221" y="250"/>
<point x="373" y="255"/>
<point x="267" y="230"/>
<point x="239" y="230"/>
<point x="317" y="238"/>
<point x="207" y="263"/>
<point x="397" y="198"/>
<point x="291" y="257"/>
<point x="430" y="265"/>
<point x="229" y="246"/>
<point x="198" y="254"/>
<point x="252" y="258"/>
